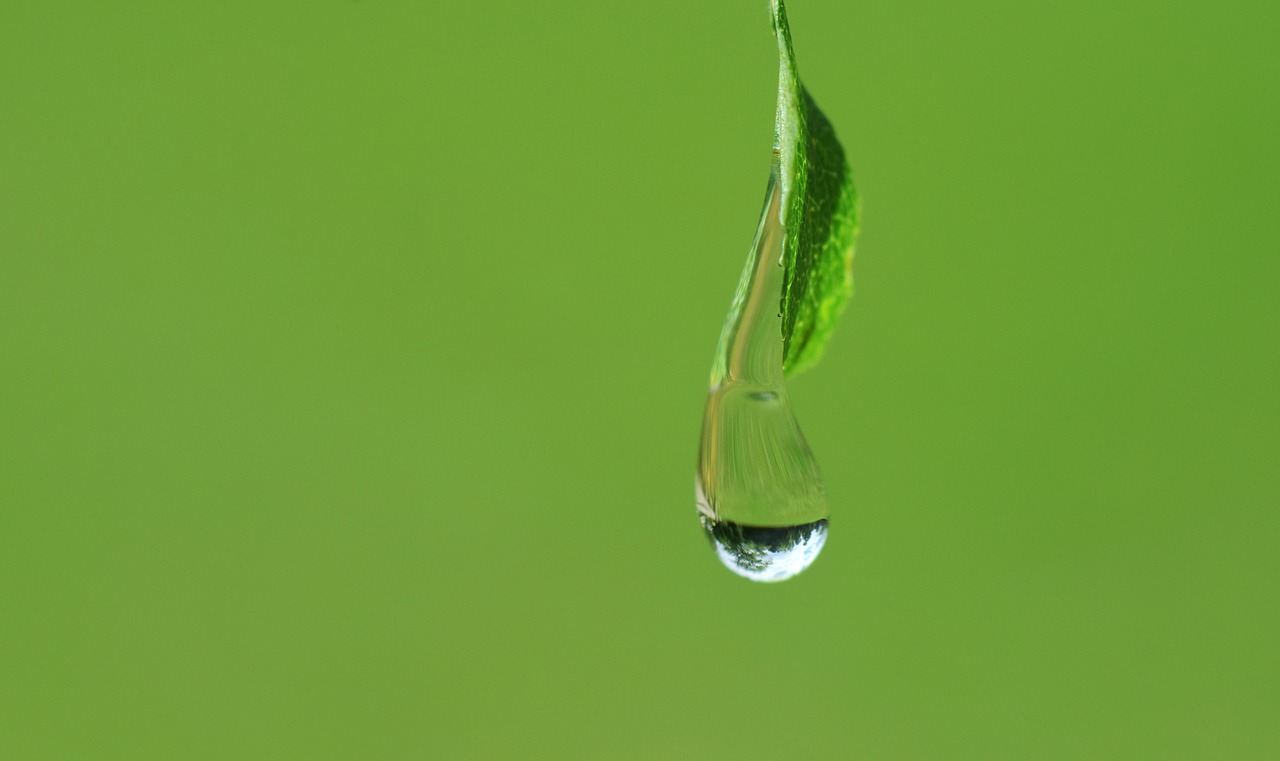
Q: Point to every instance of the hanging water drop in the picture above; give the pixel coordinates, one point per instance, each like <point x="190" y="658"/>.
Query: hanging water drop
<point x="759" y="492"/>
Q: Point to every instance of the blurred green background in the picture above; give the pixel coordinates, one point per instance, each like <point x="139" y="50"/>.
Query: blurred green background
<point x="353" y="355"/>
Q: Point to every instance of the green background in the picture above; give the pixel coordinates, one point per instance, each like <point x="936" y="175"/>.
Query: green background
<point x="353" y="355"/>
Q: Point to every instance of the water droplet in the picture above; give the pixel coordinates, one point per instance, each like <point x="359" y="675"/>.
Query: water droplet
<point x="759" y="491"/>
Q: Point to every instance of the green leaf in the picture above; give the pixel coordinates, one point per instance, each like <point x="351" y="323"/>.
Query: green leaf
<point x="819" y="209"/>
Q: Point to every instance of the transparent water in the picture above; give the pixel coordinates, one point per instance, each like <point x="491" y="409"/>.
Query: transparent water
<point x="759" y="491"/>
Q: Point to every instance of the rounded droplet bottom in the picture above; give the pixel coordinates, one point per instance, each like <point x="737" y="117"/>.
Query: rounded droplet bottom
<point x="766" y="553"/>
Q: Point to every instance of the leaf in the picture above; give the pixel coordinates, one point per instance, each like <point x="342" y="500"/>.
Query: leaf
<point x="819" y="209"/>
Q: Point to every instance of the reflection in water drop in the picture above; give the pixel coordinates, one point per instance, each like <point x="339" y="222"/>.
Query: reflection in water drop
<point x="759" y="491"/>
<point x="766" y="554"/>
